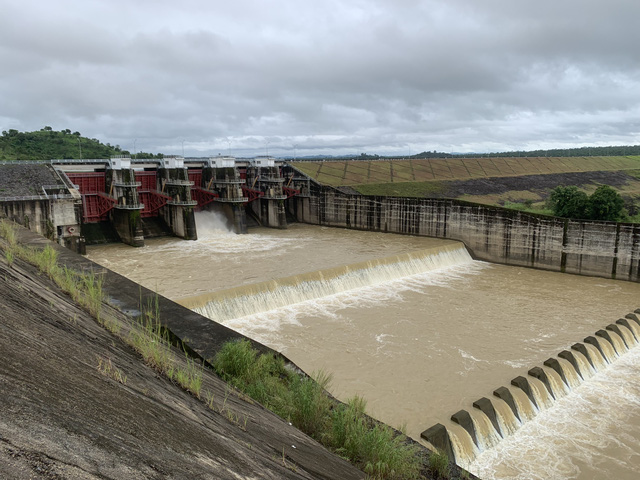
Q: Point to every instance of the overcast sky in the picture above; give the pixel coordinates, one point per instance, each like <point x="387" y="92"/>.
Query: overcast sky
<point x="328" y="77"/>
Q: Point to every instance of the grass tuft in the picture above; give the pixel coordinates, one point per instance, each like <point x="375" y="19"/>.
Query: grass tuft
<point x="373" y="447"/>
<point x="107" y="368"/>
<point x="439" y="464"/>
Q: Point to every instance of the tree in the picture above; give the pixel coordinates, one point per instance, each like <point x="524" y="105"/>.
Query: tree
<point x="606" y="204"/>
<point x="569" y="202"/>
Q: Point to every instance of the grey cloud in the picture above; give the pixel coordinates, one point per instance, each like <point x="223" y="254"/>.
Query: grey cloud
<point x="332" y="77"/>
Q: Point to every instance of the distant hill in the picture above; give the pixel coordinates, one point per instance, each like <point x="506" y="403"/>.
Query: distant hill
<point x="47" y="144"/>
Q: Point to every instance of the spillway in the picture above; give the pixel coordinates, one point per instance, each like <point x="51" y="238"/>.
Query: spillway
<point x="267" y="296"/>
<point x="418" y="347"/>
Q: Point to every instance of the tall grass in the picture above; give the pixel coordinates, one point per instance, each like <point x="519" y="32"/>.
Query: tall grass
<point x="147" y="335"/>
<point x="439" y="464"/>
<point x="149" y="338"/>
<point x="346" y="429"/>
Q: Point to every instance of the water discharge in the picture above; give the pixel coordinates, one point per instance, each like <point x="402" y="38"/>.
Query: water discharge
<point x="262" y="297"/>
<point x="526" y="409"/>
<point x="570" y="373"/>
<point x="618" y="343"/>
<point x="629" y="339"/>
<point x="425" y="345"/>
<point x="609" y="352"/>
<point x="506" y="418"/>
<point x="586" y="369"/>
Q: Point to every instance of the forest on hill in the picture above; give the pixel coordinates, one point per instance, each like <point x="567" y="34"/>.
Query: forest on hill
<point x="48" y="144"/>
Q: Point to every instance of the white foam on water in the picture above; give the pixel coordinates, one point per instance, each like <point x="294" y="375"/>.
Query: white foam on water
<point x="570" y="373"/>
<point x="508" y="422"/>
<point x="265" y="326"/>
<point x="580" y="436"/>
<point x="486" y="433"/>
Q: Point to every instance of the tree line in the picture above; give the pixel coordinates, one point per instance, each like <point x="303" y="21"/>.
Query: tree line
<point x="603" y="204"/>
<point x="47" y="144"/>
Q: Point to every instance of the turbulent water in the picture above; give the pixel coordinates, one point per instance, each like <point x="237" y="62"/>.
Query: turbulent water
<point x="424" y="344"/>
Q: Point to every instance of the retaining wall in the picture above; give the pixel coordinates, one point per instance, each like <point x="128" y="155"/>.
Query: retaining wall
<point x="603" y="249"/>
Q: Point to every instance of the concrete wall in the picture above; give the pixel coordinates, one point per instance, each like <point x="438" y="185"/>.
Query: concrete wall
<point x="271" y="212"/>
<point x="128" y="225"/>
<point x="604" y="249"/>
<point x="56" y="218"/>
<point x="181" y="220"/>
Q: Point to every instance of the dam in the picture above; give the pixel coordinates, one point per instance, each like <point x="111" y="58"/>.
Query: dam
<point x="418" y="328"/>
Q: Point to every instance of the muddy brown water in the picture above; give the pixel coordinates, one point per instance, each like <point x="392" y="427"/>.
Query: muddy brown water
<point x="420" y="347"/>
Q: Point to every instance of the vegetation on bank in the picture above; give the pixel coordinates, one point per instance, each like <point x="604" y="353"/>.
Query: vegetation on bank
<point x="603" y="204"/>
<point x="146" y="335"/>
<point x="344" y="428"/>
<point x="47" y="144"/>
<point x="618" y="150"/>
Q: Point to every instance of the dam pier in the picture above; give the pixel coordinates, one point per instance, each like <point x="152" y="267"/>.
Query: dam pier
<point x="128" y="200"/>
<point x="122" y="199"/>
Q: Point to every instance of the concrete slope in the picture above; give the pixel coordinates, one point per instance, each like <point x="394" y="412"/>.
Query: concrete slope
<point x="62" y="417"/>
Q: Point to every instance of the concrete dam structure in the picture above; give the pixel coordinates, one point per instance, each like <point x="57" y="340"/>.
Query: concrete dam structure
<point x="494" y="234"/>
<point x="75" y="202"/>
<point x="260" y="297"/>
<point x="138" y="198"/>
<point x="419" y="335"/>
<point x="492" y="420"/>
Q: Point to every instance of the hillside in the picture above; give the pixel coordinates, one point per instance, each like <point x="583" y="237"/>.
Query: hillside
<point x="46" y="144"/>
<point x="518" y="182"/>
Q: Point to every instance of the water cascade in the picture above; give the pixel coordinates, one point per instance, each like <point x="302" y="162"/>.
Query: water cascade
<point x="558" y="386"/>
<point x="460" y="444"/>
<point x="572" y="377"/>
<point x="618" y="342"/>
<point x="507" y="419"/>
<point x="265" y="296"/>
<point x="627" y="335"/>
<point x="486" y="434"/>
<point x="599" y="362"/>
<point x="526" y="409"/>
<point x="586" y="369"/>
<point x="541" y="393"/>
<point x="607" y="348"/>
<point x="631" y="325"/>
<point x="494" y="419"/>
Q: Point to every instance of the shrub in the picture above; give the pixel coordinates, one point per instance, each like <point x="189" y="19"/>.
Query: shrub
<point x="569" y="202"/>
<point x="373" y="447"/>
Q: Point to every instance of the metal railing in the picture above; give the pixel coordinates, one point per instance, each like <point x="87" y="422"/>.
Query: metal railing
<point x="61" y="196"/>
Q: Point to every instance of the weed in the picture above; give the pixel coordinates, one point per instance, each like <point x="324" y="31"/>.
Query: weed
<point x="209" y="400"/>
<point x="290" y="466"/>
<point x="8" y="232"/>
<point x="9" y="256"/>
<point x="373" y="447"/>
<point x="189" y="378"/>
<point x="106" y="367"/>
<point x="152" y="342"/>
<point x="439" y="464"/>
